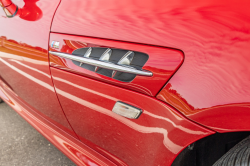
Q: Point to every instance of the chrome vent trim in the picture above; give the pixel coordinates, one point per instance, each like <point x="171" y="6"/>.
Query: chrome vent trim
<point x="104" y="63"/>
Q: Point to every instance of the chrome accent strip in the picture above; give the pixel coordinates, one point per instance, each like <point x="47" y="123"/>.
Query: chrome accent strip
<point x="102" y="64"/>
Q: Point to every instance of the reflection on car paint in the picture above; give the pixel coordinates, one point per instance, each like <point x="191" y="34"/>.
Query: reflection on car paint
<point x="114" y="99"/>
<point x="167" y="142"/>
<point x="27" y="42"/>
<point x="82" y="154"/>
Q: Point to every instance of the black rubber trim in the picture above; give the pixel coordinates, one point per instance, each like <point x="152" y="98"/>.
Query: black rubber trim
<point x="239" y="155"/>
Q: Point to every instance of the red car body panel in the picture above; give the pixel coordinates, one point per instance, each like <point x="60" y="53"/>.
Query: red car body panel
<point x="162" y="62"/>
<point x="25" y="43"/>
<point x="69" y="145"/>
<point x="212" y="86"/>
<point x="153" y="136"/>
<point x="73" y="108"/>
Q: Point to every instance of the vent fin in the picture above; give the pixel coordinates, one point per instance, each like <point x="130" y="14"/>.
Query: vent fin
<point x="88" y="52"/>
<point x="127" y="58"/>
<point x="105" y="57"/>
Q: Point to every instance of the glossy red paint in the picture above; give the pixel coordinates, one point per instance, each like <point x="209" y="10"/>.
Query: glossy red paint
<point x="162" y="62"/>
<point x="69" y="145"/>
<point x="212" y="86"/>
<point x="23" y="51"/>
<point x="155" y="138"/>
<point x="222" y="118"/>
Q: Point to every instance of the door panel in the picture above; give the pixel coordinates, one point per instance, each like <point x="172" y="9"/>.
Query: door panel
<point x="24" y="58"/>
<point x="213" y="34"/>
<point x="152" y="139"/>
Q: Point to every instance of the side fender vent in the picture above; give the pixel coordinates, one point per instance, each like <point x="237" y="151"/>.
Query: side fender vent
<point x="130" y="59"/>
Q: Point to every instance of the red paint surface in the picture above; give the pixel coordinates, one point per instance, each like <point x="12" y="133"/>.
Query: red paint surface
<point x="162" y="62"/>
<point x="155" y="138"/>
<point x="212" y="86"/>
<point x="69" y="145"/>
<point x="24" y="51"/>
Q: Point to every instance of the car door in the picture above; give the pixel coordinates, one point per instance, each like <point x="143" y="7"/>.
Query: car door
<point x="24" y="65"/>
<point x="107" y="81"/>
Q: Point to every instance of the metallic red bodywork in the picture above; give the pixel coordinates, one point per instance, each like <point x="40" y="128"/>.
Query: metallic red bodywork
<point x="154" y="136"/>
<point x="69" y="145"/>
<point x="211" y="87"/>
<point x="25" y="43"/>
<point x="162" y="62"/>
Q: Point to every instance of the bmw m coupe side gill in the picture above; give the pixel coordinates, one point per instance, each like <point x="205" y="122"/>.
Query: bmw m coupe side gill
<point x="131" y="82"/>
